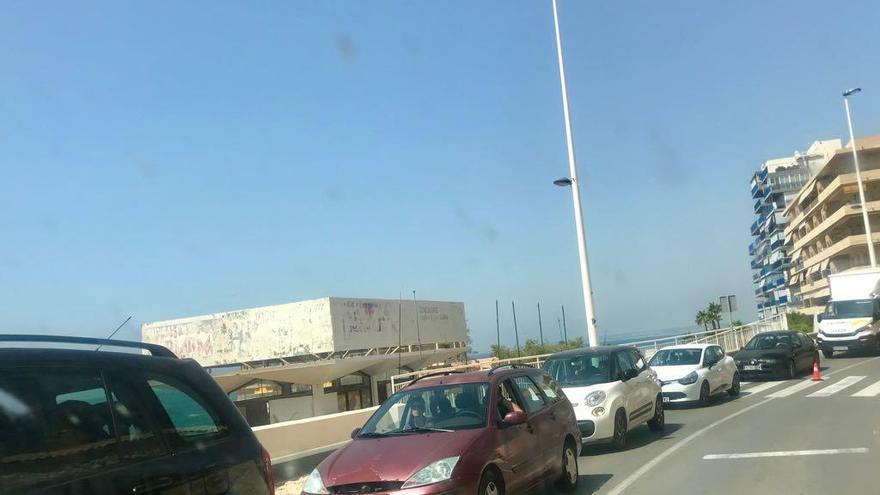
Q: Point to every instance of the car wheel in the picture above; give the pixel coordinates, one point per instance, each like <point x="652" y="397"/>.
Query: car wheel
<point x="569" y="479"/>
<point x="619" y="438"/>
<point x="659" y="420"/>
<point x="490" y="484"/>
<point x="792" y="371"/>
<point x="733" y="391"/>
<point x="704" y="394"/>
<point x="828" y="354"/>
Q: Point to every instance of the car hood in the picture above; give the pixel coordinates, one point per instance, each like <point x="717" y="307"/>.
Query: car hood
<point x="668" y="373"/>
<point x="762" y="353"/>
<point x="397" y="458"/>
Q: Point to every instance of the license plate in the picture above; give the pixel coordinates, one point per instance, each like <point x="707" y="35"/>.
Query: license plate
<point x="751" y="367"/>
<point x="666" y="399"/>
<point x="840" y="348"/>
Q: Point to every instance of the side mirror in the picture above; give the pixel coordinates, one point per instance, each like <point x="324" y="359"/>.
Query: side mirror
<point x="711" y="362"/>
<point x="514" y="418"/>
<point x="629" y="374"/>
<point x="355" y="432"/>
<point x="819" y="317"/>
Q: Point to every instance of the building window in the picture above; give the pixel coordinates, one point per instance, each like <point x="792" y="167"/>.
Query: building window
<point x="257" y="389"/>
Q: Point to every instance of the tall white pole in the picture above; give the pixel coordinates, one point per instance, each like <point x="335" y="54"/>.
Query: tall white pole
<point x="576" y="194"/>
<point x="852" y="140"/>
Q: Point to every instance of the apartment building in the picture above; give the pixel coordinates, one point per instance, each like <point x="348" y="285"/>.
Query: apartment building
<point x="773" y="187"/>
<point x="826" y="232"/>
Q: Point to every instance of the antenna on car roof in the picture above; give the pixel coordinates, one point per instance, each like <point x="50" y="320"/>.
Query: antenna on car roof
<point x="114" y="332"/>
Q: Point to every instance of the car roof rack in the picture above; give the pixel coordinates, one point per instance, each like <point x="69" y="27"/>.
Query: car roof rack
<point x="155" y="349"/>
<point x="511" y="366"/>
<point x="439" y="373"/>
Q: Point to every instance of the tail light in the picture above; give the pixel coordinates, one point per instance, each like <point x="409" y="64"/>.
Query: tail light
<point x="266" y="461"/>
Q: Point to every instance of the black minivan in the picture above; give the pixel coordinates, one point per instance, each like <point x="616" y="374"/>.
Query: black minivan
<point x="77" y="421"/>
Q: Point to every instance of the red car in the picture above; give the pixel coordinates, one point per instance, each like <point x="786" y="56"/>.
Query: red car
<point x="485" y="432"/>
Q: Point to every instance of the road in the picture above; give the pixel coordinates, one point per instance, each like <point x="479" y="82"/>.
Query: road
<point x="794" y="443"/>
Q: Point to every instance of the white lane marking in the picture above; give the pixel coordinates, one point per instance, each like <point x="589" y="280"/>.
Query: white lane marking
<point x="805" y="384"/>
<point x="629" y="480"/>
<point x="745" y="383"/>
<point x="623" y="485"/>
<point x="757" y="389"/>
<point x="786" y="453"/>
<point x="869" y="391"/>
<point x="837" y="387"/>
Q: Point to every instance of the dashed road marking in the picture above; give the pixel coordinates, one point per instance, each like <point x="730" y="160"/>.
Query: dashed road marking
<point x="837" y="387"/>
<point x="869" y="391"/>
<point x="757" y="389"/>
<point x="786" y="453"/>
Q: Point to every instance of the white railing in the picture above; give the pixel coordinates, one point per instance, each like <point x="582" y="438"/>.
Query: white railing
<point x="730" y="339"/>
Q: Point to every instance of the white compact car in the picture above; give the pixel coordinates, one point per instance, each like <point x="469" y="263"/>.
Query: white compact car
<point x="612" y="390"/>
<point x="695" y="372"/>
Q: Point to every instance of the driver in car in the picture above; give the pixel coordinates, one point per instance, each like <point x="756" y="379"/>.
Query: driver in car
<point x="417" y="413"/>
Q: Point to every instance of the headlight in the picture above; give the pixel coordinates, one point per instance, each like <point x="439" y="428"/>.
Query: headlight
<point x="314" y="484"/>
<point x="432" y="473"/>
<point x="689" y="379"/>
<point x="595" y="398"/>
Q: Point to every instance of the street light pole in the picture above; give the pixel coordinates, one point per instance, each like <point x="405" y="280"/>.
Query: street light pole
<point x="852" y="140"/>
<point x="576" y="193"/>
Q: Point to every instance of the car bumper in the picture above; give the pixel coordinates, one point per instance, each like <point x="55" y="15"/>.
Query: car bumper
<point x="846" y="344"/>
<point x="674" y="392"/>
<point x="766" y="370"/>
<point x="450" y="487"/>
<point x="595" y="429"/>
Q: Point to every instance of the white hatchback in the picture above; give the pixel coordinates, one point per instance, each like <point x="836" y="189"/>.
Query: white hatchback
<point x="612" y="390"/>
<point x="695" y="372"/>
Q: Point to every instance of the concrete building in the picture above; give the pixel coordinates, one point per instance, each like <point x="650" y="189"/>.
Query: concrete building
<point x="297" y="360"/>
<point x="826" y="232"/>
<point x="773" y="186"/>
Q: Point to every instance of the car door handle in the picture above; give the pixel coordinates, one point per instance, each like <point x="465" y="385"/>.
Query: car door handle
<point x="153" y="484"/>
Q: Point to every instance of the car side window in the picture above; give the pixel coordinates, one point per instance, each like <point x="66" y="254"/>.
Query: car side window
<point x="191" y="420"/>
<point x="623" y="364"/>
<point x="138" y="430"/>
<point x="507" y="400"/>
<point x="808" y="342"/>
<point x="55" y="425"/>
<point x="549" y="386"/>
<point x="637" y="360"/>
<point x="531" y="396"/>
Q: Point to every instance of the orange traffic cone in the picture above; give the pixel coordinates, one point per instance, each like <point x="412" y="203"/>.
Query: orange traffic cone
<point x="817" y="377"/>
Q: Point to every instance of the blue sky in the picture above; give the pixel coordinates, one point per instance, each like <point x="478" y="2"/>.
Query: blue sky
<point x="164" y="159"/>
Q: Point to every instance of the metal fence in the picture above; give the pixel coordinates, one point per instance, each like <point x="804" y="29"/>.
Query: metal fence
<point x="730" y="339"/>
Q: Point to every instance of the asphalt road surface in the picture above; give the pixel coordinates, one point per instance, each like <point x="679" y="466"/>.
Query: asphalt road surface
<point x="786" y="437"/>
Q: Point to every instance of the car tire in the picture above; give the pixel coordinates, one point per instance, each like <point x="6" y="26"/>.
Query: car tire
<point x="568" y="481"/>
<point x="658" y="422"/>
<point x="490" y="484"/>
<point x="733" y="391"/>
<point x="704" y="394"/>
<point x="828" y="354"/>
<point x="618" y="439"/>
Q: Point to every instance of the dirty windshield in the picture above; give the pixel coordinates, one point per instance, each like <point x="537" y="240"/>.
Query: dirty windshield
<point x="579" y="371"/>
<point x="676" y="357"/>
<point x="446" y="407"/>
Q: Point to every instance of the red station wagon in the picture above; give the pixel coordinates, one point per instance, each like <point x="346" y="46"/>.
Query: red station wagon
<point x="487" y="432"/>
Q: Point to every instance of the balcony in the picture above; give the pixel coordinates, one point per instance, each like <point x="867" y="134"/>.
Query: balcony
<point x="756" y="191"/>
<point x="754" y="229"/>
<point x="777" y="244"/>
<point x="762" y="175"/>
<point x="783" y="299"/>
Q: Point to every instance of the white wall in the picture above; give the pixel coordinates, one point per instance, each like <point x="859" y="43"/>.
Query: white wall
<point x="290" y="408"/>
<point x="366" y="323"/>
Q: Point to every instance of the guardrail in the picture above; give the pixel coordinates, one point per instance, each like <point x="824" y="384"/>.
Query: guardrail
<point x="730" y="339"/>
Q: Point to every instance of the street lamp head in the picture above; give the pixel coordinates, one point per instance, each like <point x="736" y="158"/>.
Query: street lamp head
<point x="851" y="92"/>
<point x="562" y="182"/>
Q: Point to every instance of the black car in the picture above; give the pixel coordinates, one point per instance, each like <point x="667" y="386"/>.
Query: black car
<point x="77" y="421"/>
<point x="776" y="354"/>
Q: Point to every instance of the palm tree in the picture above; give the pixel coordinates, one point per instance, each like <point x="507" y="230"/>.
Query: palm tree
<point x="703" y="319"/>
<point x="714" y="312"/>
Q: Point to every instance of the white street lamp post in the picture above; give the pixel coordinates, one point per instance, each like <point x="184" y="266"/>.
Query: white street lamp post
<point x="575" y="193"/>
<point x="852" y="140"/>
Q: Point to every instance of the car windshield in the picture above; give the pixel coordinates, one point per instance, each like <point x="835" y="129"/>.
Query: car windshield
<point x="676" y="357"/>
<point x="442" y="408"/>
<point x="588" y="369"/>
<point x="769" y="341"/>
<point x="838" y="310"/>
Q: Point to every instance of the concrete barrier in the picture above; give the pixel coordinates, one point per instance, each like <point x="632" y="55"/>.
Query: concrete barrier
<point x="292" y="440"/>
